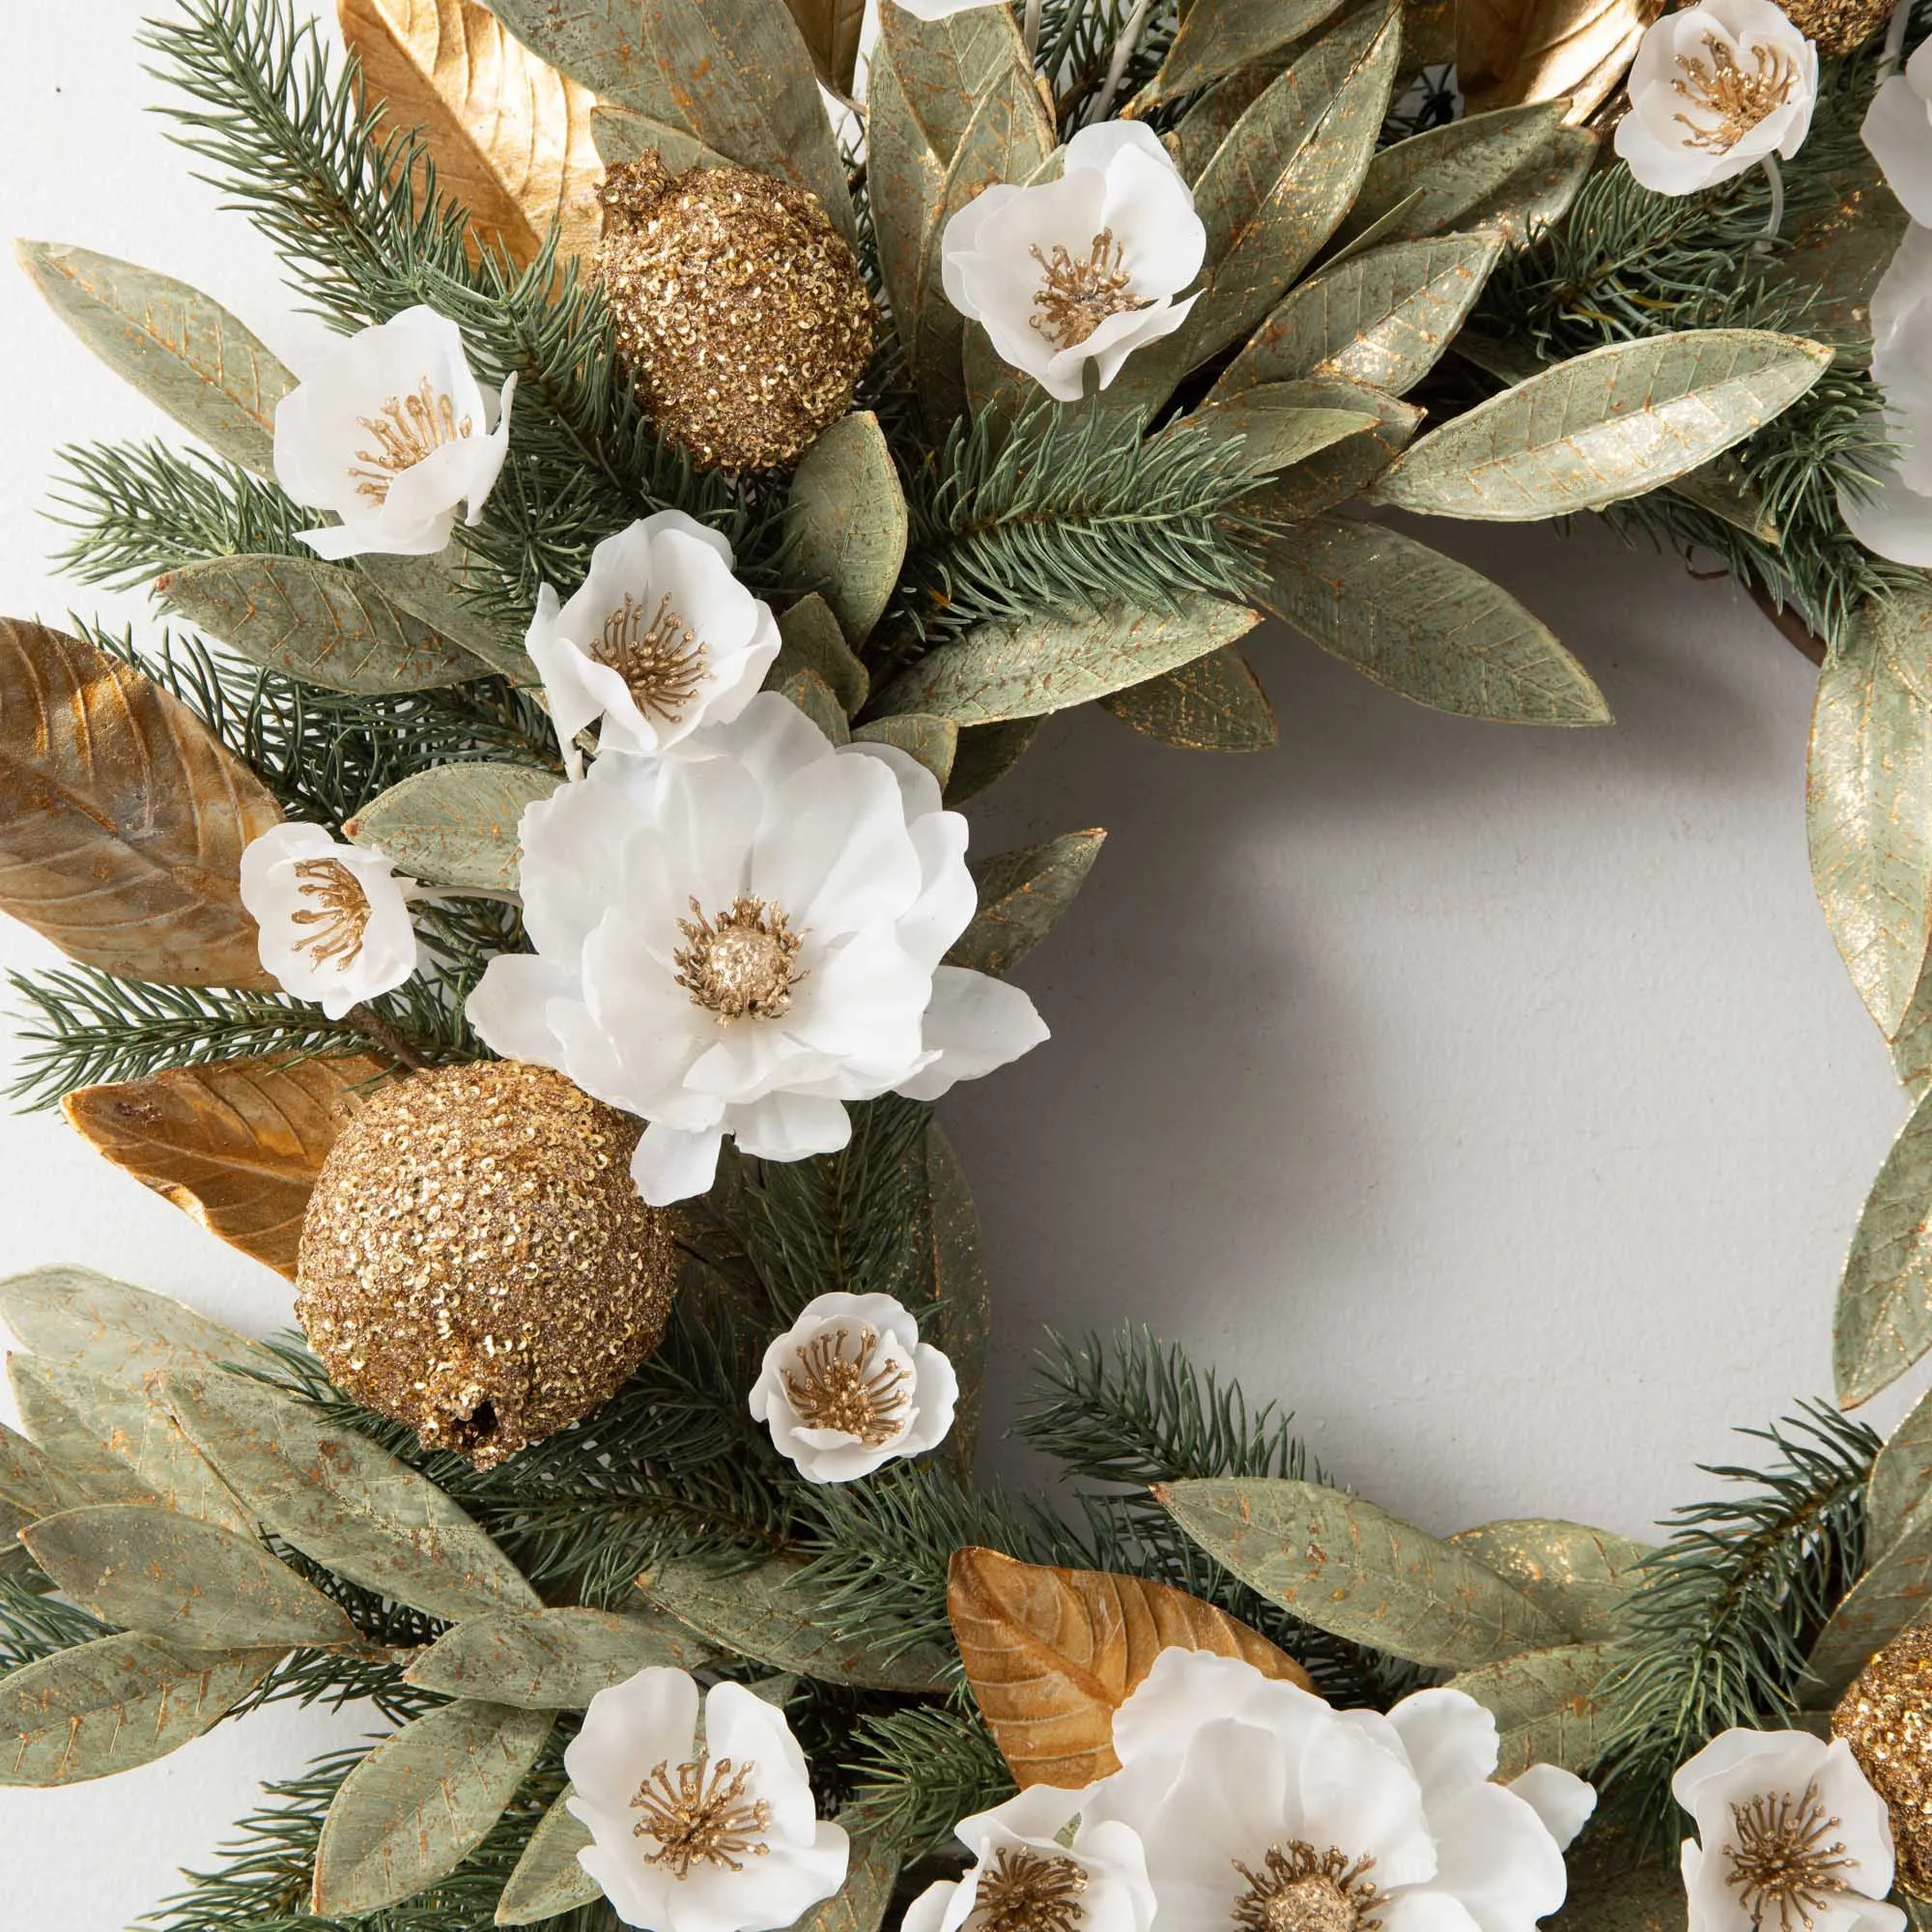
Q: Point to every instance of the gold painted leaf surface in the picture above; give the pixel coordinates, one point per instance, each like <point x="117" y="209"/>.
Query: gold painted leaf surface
<point x="122" y="819"/>
<point x="236" y="1145"/>
<point x="831" y="28"/>
<point x="1510" y="52"/>
<point x="1052" y="1653"/>
<point x="1214" y="705"/>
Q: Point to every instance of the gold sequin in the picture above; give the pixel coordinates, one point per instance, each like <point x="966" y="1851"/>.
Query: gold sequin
<point x="1885" y="1718"/>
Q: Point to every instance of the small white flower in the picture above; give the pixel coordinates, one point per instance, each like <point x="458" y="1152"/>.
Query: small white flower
<point x="849" y="1386"/>
<point x="743" y="938"/>
<point x="334" y="918"/>
<point x="1789" y="1834"/>
<point x="392" y="432"/>
<point x="660" y="639"/>
<point x="1899" y="130"/>
<point x="1036" y="1851"/>
<point x="940" y="9"/>
<point x="1084" y="268"/>
<point x="1713" y="91"/>
<point x="717" y="1833"/>
<point x="1893" y="515"/>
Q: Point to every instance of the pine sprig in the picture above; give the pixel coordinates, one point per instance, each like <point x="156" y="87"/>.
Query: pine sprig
<point x="34" y="1625"/>
<point x="916" y="1772"/>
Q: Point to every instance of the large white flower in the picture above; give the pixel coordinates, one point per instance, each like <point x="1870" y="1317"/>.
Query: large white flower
<point x="698" y="1834"/>
<point x="1084" y="268"/>
<point x="740" y="939"/>
<point x="1714" y="90"/>
<point x="1894" y="514"/>
<point x="1789" y="1834"/>
<point x="334" y="918"/>
<point x="1899" y="130"/>
<point x="660" y="638"/>
<point x="939" y="10"/>
<point x="1037" y="1861"/>
<point x="849" y="1387"/>
<point x="392" y="432"/>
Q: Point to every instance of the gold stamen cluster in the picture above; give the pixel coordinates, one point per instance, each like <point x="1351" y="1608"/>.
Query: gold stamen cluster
<point x="834" y="1391"/>
<point x="661" y="661"/>
<point x="1300" y="1889"/>
<point x="1077" y="293"/>
<point x="742" y="964"/>
<point x="1717" y="85"/>
<point x="1782" y="1854"/>
<point x="341" y="911"/>
<point x="700" y="1815"/>
<point x="408" y="429"/>
<point x="1885" y="1718"/>
<point x="1027" y="1891"/>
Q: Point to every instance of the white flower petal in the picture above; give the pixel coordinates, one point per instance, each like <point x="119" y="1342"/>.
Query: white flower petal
<point x="1563" y="1801"/>
<point x="1496" y="1856"/>
<point x="1451" y="1740"/>
<point x="975" y="1023"/>
<point x="672" y="1166"/>
<point x="931" y="1910"/>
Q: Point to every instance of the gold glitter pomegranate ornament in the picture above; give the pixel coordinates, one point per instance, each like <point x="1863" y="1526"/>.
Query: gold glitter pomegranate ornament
<point x="741" y="312"/>
<point x="1838" y="26"/>
<point x="1885" y="1718"/>
<point x="475" y="1260"/>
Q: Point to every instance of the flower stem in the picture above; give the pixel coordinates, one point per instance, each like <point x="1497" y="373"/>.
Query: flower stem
<point x="1774" y="174"/>
<point x="1123" y="52"/>
<point x="1030" y="32"/>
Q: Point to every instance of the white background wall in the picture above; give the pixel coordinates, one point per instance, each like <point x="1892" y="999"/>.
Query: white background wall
<point x="1492" y="1098"/>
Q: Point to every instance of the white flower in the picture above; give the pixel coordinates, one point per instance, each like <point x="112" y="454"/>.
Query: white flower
<point x="1243" y="1788"/>
<point x="334" y="918"/>
<point x="1038" y="1851"/>
<point x="1789" y="1834"/>
<point x="744" y="937"/>
<point x="1084" y="268"/>
<point x="1713" y="91"/>
<point x="392" y="432"/>
<point x="940" y="9"/>
<point x="717" y="1833"/>
<point x="1899" y="130"/>
<point x="660" y="639"/>
<point x="1893" y="515"/>
<point x="849" y="1386"/>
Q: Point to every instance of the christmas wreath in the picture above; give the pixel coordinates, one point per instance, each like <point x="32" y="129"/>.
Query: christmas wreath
<point x="524" y="902"/>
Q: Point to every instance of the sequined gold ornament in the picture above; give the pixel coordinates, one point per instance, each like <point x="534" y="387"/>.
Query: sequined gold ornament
<point x="1838" y="26"/>
<point x="1885" y="1718"/>
<point x="475" y="1260"/>
<point x="741" y="312"/>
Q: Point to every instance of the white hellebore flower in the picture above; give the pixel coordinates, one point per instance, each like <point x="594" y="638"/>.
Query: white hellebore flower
<point x="849" y="1387"/>
<point x="1253" y="1797"/>
<point x="1893" y="516"/>
<point x="940" y="9"/>
<point x="1790" y="1837"/>
<point x="690" y="1833"/>
<point x="334" y="918"/>
<point x="740" y="939"/>
<point x="392" y="432"/>
<point x="1899" y="130"/>
<point x="660" y="639"/>
<point x="1037" y="1862"/>
<point x="1084" y="268"/>
<point x="1714" y="90"/>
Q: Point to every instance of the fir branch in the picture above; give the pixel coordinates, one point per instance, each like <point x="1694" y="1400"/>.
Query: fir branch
<point x="1079" y="40"/>
<point x="34" y="1625"/>
<point x="916" y="1772"/>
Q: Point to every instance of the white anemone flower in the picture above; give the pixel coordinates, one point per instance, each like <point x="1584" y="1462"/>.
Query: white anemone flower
<point x="1037" y="1861"/>
<point x="740" y="939"/>
<point x="1081" y="269"/>
<point x="690" y="1832"/>
<point x="1714" y="91"/>
<point x="334" y="918"/>
<point x="1789" y="1834"/>
<point x="849" y="1387"/>
<point x="661" y="639"/>
<point x="1892" y="515"/>
<point x="392" y="432"/>
<point x="1898" y="129"/>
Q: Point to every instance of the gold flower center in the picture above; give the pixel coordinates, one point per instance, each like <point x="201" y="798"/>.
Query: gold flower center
<point x="1715" y="85"/>
<point x="1026" y="1891"/>
<point x="1300" y="1889"/>
<point x="699" y="1815"/>
<point x="1078" y="294"/>
<point x="1784" y="1856"/>
<point x="743" y="961"/>
<point x="408" y="429"/>
<point x="663" y="661"/>
<point x="834" y="1391"/>
<point x="340" y="912"/>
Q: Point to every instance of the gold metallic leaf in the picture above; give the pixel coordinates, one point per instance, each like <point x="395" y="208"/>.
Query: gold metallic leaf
<point x="236" y="1144"/>
<point x="1510" y="52"/>
<point x="509" y="136"/>
<point x="831" y="30"/>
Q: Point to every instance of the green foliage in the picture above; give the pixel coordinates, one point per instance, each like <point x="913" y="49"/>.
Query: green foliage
<point x="916" y="1772"/>
<point x="34" y="1625"/>
<point x="1080" y="41"/>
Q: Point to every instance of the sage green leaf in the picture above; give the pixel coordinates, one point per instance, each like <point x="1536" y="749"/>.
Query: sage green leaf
<point x="1219" y="35"/>
<point x="1901" y="1477"/>
<point x="933" y="741"/>
<point x="454" y="825"/>
<point x="1024" y="666"/>
<point x="1022" y="896"/>
<point x="32" y="1482"/>
<point x="91" y="1471"/>
<point x="948" y="1288"/>
<point x="1343" y="470"/>
<point x="114" y="1703"/>
<point x="441" y="590"/>
<point x="315" y="621"/>
<point x="1583" y="1576"/>
<point x="905" y="177"/>
<point x="860" y="1904"/>
<point x="1424" y="625"/>
<point x="609" y="45"/>
<point x="1275" y="424"/>
<point x="814" y="696"/>
<point x="1382" y="318"/>
<point x="945" y="68"/>
<point x="1892" y="1595"/>
<point x="344" y="1502"/>
<point x="1214" y="705"/>
<point x="1605" y="425"/>
<point x="144" y="1568"/>
<point x="547" y="1881"/>
<point x="1884" y="1319"/>
<point x="87" y="1320"/>
<point x="846" y="518"/>
<point x="986" y="753"/>
<point x="814" y="643"/>
<point x="764" y="1614"/>
<point x="1833" y="259"/>
<point x="1540" y="192"/>
<point x="1545" y="1706"/>
<point x="421" y="1802"/>
<point x="622" y="135"/>
<point x="549" y="1660"/>
<point x="184" y="352"/>
<point x="1725" y="487"/>
<point x="1353" y="1569"/>
<point x="1196" y="139"/>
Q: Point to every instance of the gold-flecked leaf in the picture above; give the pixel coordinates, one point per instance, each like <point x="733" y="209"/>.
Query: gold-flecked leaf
<point x="1891" y="1596"/>
<point x="1341" y="472"/>
<point x="87" y="1320"/>
<point x="1509" y="52"/>
<point x="1276" y="426"/>
<point x="1884" y="1319"/>
<point x="1901" y="1477"/>
<point x="609" y="46"/>
<point x="986" y="754"/>
<point x="442" y="591"/>
<point x="831" y="28"/>
<point x="1545" y="1704"/>
<point x="1217" y="37"/>
<point x="813" y="642"/>
<point x="237" y="1144"/>
<point x="547" y="1881"/>
<point x="89" y="1471"/>
<point x="812" y="695"/>
<point x="1052" y="1653"/>
<point x="846" y="519"/>
<point x="1022" y="898"/>
<point x="860" y="1904"/>
<point x="509" y="136"/>
<point x="122" y="819"/>
<point x="933" y="741"/>
<point x="1214" y="705"/>
<point x="455" y="825"/>
<point x="548" y="1660"/>
<point x="622" y="135"/>
<point x="1583" y="1576"/>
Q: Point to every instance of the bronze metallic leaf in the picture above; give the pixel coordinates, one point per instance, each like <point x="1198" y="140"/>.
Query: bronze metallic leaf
<point x="1511" y="53"/>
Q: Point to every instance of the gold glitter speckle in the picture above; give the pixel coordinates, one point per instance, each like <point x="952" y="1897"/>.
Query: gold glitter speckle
<point x="1838" y="26"/>
<point x="1885" y="1718"/>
